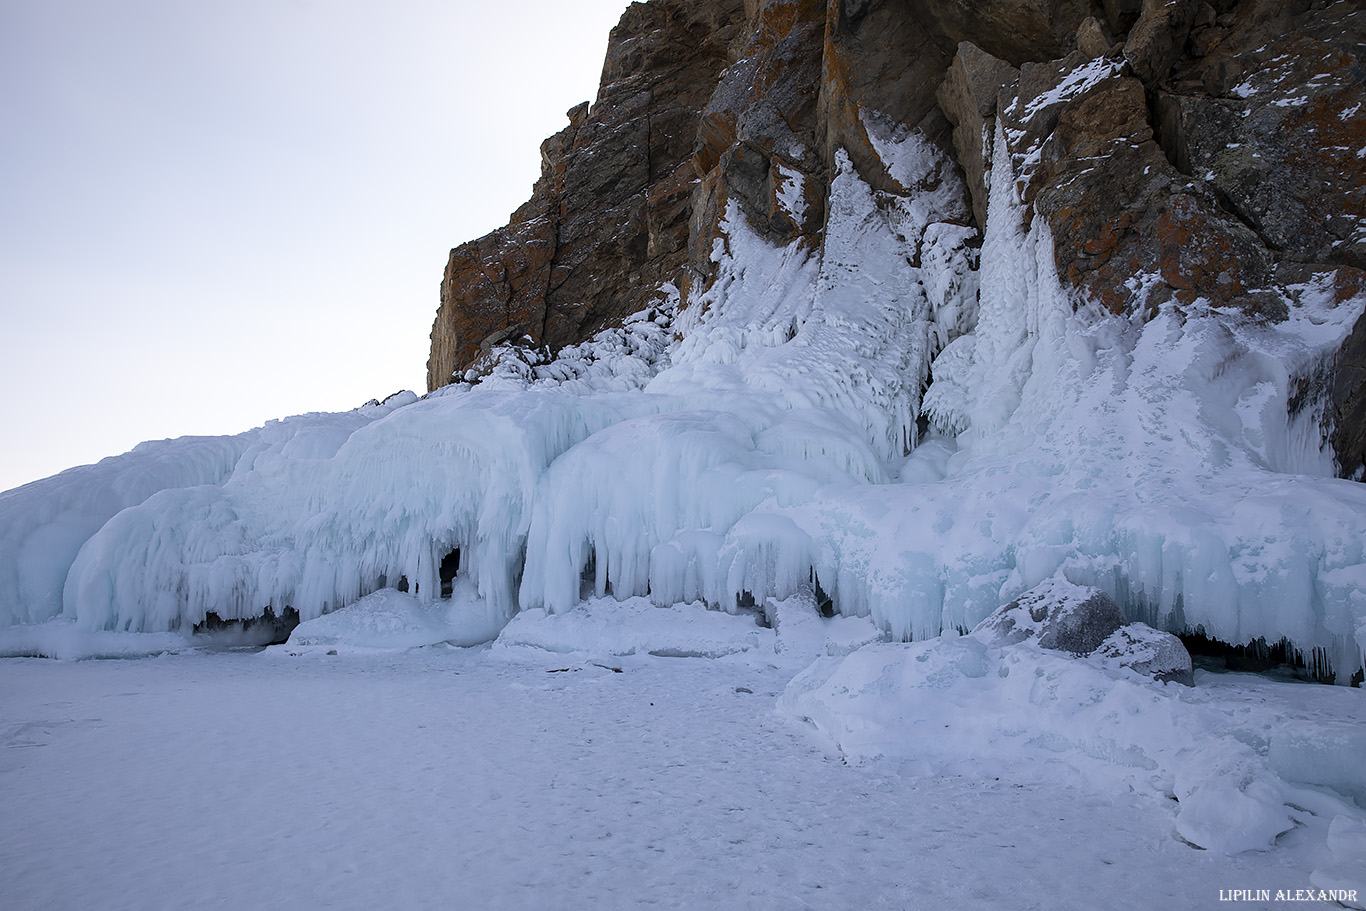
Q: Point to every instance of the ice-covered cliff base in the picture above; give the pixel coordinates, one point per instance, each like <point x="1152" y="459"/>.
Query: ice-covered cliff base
<point x="771" y="434"/>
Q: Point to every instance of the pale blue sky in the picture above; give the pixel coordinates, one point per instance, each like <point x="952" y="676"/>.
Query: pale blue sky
<point x="216" y="213"/>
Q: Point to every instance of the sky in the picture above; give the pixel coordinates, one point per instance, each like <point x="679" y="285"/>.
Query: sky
<point x="217" y="213"/>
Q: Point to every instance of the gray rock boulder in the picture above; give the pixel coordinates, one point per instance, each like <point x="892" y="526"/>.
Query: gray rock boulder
<point x="1060" y="615"/>
<point x="1148" y="651"/>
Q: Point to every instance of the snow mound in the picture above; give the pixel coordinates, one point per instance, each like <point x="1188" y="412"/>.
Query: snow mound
<point x="390" y="619"/>
<point x="1329" y="754"/>
<point x="957" y="705"/>
<point x="66" y="640"/>
<point x="1344" y="872"/>
<point x="604" y="626"/>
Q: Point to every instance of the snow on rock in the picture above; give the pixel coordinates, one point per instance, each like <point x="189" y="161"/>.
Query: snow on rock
<point x="619" y="359"/>
<point x="848" y="331"/>
<point x="1058" y="614"/>
<point x="390" y="619"/>
<point x="791" y="191"/>
<point x="1147" y="651"/>
<point x="956" y="705"/>
<point x="635" y="626"/>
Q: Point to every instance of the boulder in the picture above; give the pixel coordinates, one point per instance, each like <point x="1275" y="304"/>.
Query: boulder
<point x="1058" y="614"/>
<point x="1157" y="38"/>
<point x="1093" y="39"/>
<point x="1148" y="651"/>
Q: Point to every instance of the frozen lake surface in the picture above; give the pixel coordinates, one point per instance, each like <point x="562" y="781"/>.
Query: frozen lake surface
<point x="509" y="778"/>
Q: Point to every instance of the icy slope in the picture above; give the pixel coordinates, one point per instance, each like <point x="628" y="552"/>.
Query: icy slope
<point x="1223" y="750"/>
<point x="44" y="524"/>
<point x="450" y="472"/>
<point x="770" y="447"/>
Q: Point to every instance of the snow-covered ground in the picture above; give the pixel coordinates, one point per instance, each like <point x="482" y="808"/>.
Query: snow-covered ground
<point x="573" y="764"/>
<point x="449" y="778"/>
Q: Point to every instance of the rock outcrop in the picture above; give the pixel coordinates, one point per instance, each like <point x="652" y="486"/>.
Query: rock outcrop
<point x="1178" y="151"/>
<point x="608" y="221"/>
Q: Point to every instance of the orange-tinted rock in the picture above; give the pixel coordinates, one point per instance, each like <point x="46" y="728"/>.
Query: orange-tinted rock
<point x="608" y="220"/>
<point x="1118" y="211"/>
<point x="491" y="285"/>
<point x="1175" y="149"/>
<point x="1283" y="146"/>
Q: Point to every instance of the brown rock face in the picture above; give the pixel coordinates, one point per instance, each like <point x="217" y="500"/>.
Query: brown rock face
<point x="759" y="133"/>
<point x="1187" y="150"/>
<point x="885" y="57"/>
<point x="968" y="98"/>
<point x="608" y="220"/>
<point x="1254" y="163"/>
<point x="1347" y="388"/>
<point x="808" y="82"/>
<point x="1118" y="209"/>
<point x="1272" y="119"/>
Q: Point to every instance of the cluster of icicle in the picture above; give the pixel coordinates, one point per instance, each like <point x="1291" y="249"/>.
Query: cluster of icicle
<point x="780" y="442"/>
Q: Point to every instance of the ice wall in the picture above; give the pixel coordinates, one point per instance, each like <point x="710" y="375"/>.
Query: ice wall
<point x="766" y="434"/>
<point x="317" y="530"/>
<point x="44" y="524"/>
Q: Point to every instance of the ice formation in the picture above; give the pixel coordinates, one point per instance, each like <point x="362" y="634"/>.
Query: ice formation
<point x="768" y="435"/>
<point x="1021" y="711"/>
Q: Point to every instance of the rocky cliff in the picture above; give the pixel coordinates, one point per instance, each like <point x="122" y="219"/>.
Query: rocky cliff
<point x="1177" y="151"/>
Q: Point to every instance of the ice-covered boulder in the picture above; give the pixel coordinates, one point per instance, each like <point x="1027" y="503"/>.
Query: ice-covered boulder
<point x="1148" y="651"/>
<point x="1086" y="621"/>
<point x="1062" y="616"/>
